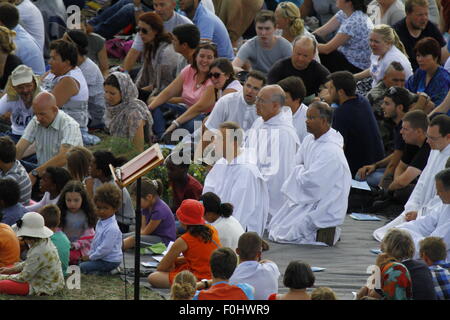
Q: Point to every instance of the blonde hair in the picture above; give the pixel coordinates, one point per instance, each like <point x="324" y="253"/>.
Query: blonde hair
<point x="184" y="286"/>
<point x="290" y="11"/>
<point x="398" y="244"/>
<point x="389" y="35"/>
<point x="6" y="40"/>
<point x="323" y="293"/>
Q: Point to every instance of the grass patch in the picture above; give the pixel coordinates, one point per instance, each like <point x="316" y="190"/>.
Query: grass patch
<point x="95" y="288"/>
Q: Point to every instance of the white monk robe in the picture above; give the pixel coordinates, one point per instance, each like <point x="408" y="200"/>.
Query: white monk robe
<point x="421" y="198"/>
<point x="232" y="107"/>
<point x="316" y="192"/>
<point x="435" y="224"/>
<point x="275" y="142"/>
<point x="240" y="183"/>
<point x="299" y="121"/>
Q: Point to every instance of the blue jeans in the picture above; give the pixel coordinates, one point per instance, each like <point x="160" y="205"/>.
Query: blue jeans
<point x="159" y="122"/>
<point x="114" y="18"/>
<point x="374" y="178"/>
<point x="98" y="267"/>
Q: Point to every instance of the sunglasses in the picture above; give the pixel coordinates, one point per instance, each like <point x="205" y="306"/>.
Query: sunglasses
<point x="215" y="75"/>
<point x="144" y="31"/>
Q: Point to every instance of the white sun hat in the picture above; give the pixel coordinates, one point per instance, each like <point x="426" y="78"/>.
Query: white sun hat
<point x="32" y="225"/>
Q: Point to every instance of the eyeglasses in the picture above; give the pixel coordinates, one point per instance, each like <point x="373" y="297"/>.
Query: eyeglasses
<point x="215" y="75"/>
<point x="144" y="31"/>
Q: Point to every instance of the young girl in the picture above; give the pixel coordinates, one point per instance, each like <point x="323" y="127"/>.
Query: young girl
<point x="158" y="222"/>
<point x="219" y="215"/>
<point x="40" y="273"/>
<point x="77" y="219"/>
<point x="196" y="244"/>
<point x="100" y="174"/>
<point x="78" y="161"/>
<point x="184" y="286"/>
<point x="106" y="252"/>
<point x="52" y="182"/>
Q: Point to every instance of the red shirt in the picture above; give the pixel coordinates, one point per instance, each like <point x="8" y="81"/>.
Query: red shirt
<point x="224" y="291"/>
<point x="191" y="190"/>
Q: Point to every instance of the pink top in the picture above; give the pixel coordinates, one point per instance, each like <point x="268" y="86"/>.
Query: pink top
<point x="191" y="94"/>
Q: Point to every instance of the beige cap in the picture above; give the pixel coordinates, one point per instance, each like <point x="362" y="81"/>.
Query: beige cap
<point x="21" y="74"/>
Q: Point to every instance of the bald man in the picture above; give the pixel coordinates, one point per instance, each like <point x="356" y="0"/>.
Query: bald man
<point x="273" y="139"/>
<point x="301" y="64"/>
<point x="52" y="131"/>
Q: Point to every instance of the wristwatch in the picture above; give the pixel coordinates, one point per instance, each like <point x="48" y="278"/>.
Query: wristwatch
<point x="34" y="173"/>
<point x="136" y="9"/>
<point x="205" y="283"/>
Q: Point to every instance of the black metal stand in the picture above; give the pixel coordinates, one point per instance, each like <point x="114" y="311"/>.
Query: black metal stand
<point x="137" y="245"/>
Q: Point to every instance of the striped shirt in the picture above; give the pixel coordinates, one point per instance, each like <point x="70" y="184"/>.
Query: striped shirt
<point x="20" y="175"/>
<point x="64" y="130"/>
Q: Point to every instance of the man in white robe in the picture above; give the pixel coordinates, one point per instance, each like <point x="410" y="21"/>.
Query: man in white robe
<point x="274" y="141"/>
<point x="236" y="179"/>
<point x="423" y="196"/>
<point x="295" y="91"/>
<point x="316" y="193"/>
<point x="238" y="106"/>
<point x="437" y="222"/>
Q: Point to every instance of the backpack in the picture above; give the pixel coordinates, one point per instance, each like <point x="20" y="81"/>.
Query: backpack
<point x="118" y="48"/>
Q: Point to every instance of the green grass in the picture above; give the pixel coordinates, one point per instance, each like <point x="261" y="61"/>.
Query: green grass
<point x="95" y="288"/>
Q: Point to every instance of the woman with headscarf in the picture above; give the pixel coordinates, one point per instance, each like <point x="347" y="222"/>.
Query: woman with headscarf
<point x="126" y="116"/>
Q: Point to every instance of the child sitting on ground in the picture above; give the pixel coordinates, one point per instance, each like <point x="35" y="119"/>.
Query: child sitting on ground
<point x="77" y="219"/>
<point x="323" y="293"/>
<point x="9" y="246"/>
<point x="158" y="222"/>
<point x="40" y="273"/>
<point x="433" y="252"/>
<point x="184" y="286"/>
<point x="11" y="209"/>
<point x="106" y="251"/>
<point x="78" y="162"/>
<point x="52" y="218"/>
<point x="52" y="182"/>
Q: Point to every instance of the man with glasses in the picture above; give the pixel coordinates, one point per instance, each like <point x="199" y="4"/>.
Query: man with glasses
<point x="261" y="52"/>
<point x="423" y="197"/>
<point x="316" y="193"/>
<point x="274" y="140"/>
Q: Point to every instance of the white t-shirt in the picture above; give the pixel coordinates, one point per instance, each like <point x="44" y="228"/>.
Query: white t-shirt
<point x="232" y="107"/>
<point x="229" y="230"/>
<point x="378" y="67"/>
<point x="176" y="20"/>
<point x="299" y="122"/>
<point x="236" y="85"/>
<point x="20" y="114"/>
<point x="394" y="14"/>
<point x="31" y="20"/>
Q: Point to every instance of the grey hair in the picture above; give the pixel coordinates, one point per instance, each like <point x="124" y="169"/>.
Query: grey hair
<point x="444" y="177"/>
<point x="324" y="109"/>
<point x="279" y="98"/>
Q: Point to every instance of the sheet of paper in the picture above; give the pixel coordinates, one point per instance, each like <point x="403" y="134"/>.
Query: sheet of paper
<point x="150" y="264"/>
<point x="317" y="269"/>
<point x="364" y="217"/>
<point x="360" y="185"/>
<point x="375" y="251"/>
<point x="158" y="257"/>
<point x="168" y="248"/>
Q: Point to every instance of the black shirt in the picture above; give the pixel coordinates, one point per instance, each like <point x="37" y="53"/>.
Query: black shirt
<point x="399" y="143"/>
<point x="313" y="76"/>
<point x="409" y="41"/>
<point x="356" y="123"/>
<point x="12" y="61"/>
<point x="416" y="157"/>
<point x="421" y="279"/>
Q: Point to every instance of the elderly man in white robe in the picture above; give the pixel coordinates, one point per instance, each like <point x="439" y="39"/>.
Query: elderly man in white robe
<point x="423" y="197"/>
<point x="316" y="192"/>
<point x="274" y="140"/>
<point x="236" y="179"/>
<point x="437" y="222"/>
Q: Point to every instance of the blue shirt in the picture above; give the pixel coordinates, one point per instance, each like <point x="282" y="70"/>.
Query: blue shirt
<point x="437" y="88"/>
<point x="28" y="50"/>
<point x="212" y="28"/>
<point x="12" y="214"/>
<point x="107" y="243"/>
<point x="441" y="279"/>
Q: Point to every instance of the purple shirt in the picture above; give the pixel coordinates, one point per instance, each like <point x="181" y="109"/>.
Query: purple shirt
<point x="166" y="229"/>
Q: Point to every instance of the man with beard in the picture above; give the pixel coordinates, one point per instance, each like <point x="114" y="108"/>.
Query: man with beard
<point x="22" y="87"/>
<point x="416" y="26"/>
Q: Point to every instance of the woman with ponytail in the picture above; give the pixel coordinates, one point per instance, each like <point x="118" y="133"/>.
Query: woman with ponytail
<point x="100" y="174"/>
<point x="219" y="215"/>
<point x="386" y="47"/>
<point x="196" y="245"/>
<point x="158" y="222"/>
<point x="8" y="61"/>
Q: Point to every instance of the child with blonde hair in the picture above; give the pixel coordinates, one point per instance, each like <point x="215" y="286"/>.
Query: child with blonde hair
<point x="184" y="286"/>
